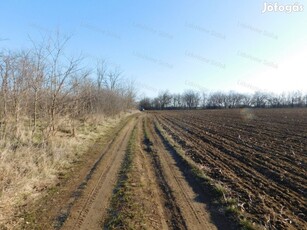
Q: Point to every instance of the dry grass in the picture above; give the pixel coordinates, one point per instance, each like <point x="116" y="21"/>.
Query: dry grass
<point x="29" y="165"/>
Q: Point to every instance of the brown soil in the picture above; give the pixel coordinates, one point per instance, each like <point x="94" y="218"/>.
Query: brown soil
<point x="138" y="202"/>
<point x="189" y="206"/>
<point x="91" y="207"/>
<point x="259" y="156"/>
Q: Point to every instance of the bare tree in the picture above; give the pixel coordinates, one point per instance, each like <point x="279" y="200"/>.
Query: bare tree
<point x="7" y="68"/>
<point x="216" y="100"/>
<point x="113" y="79"/>
<point x="156" y="103"/>
<point x="129" y="93"/>
<point x="177" y="100"/>
<point x="296" y="99"/>
<point x="145" y="103"/>
<point x="246" y="100"/>
<point x="191" y="99"/>
<point x="60" y="70"/>
<point x="44" y="84"/>
<point x="259" y="99"/>
<point x="101" y="73"/>
<point x="204" y="102"/>
<point x="165" y="99"/>
<point x="234" y="99"/>
<point x="37" y="80"/>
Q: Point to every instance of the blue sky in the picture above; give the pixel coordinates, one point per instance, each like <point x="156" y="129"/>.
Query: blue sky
<point x="175" y="45"/>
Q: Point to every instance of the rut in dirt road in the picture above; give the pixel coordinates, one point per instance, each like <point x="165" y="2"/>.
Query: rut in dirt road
<point x="137" y="202"/>
<point x="91" y="207"/>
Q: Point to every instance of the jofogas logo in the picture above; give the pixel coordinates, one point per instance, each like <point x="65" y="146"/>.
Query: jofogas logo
<point x="276" y="7"/>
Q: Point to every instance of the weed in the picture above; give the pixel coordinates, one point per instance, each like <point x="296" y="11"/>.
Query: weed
<point x="31" y="165"/>
<point x="124" y="212"/>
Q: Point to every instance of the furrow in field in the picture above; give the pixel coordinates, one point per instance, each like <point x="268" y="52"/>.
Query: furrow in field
<point x="236" y="167"/>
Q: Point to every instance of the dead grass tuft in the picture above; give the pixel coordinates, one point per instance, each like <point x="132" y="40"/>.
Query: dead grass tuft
<point x="32" y="163"/>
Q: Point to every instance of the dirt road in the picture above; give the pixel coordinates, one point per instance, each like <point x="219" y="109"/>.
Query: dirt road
<point x="92" y="205"/>
<point x="192" y="211"/>
<point x="138" y="183"/>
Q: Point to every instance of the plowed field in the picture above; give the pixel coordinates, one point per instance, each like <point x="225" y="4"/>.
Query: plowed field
<point x="258" y="155"/>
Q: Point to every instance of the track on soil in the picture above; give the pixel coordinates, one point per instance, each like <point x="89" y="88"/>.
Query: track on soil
<point x="91" y="207"/>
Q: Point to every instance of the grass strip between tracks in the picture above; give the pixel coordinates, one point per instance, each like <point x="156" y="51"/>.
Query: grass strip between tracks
<point x="124" y="212"/>
<point x="217" y="191"/>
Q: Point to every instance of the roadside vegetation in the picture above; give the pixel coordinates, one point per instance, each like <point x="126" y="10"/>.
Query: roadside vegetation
<point x="52" y="107"/>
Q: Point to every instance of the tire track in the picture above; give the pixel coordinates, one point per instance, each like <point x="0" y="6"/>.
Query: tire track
<point x="193" y="212"/>
<point x="90" y="209"/>
<point x="137" y="201"/>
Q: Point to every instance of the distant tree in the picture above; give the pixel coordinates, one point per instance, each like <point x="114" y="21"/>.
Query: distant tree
<point x="165" y="99"/>
<point x="235" y="99"/>
<point x="156" y="103"/>
<point x="145" y="103"/>
<point x="191" y="99"/>
<point x="204" y="100"/>
<point x="259" y="99"/>
<point x="176" y="100"/>
<point x="305" y="99"/>
<point x="216" y="100"/>
<point x="246" y="100"/>
<point x="296" y="99"/>
<point x="274" y="100"/>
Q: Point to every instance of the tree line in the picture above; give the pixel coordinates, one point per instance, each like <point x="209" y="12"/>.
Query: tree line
<point x="191" y="99"/>
<point x="42" y="84"/>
